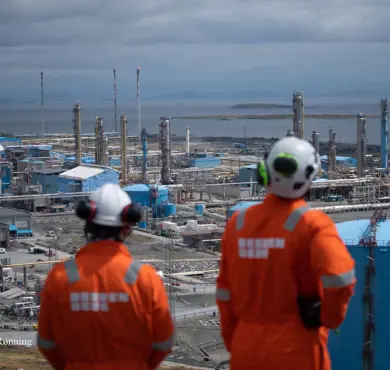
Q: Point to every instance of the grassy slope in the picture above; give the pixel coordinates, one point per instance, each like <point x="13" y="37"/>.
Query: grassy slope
<point x="12" y="358"/>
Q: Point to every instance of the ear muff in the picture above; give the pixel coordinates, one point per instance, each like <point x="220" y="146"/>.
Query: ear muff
<point x="263" y="177"/>
<point x="86" y="210"/>
<point x="131" y="214"/>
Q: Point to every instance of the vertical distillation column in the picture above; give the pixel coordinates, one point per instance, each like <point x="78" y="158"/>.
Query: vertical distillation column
<point x="361" y="144"/>
<point x="138" y="102"/>
<point x="115" y="107"/>
<point x="42" y="108"/>
<point x="332" y="151"/>
<point x="99" y="141"/>
<point x="316" y="143"/>
<point x="165" y="146"/>
<point x="144" y="141"/>
<point x="384" y="134"/>
<point x="315" y="138"/>
<point x="299" y="114"/>
<point x="188" y="153"/>
<point x="368" y="296"/>
<point x="123" y="147"/>
<point x="77" y="132"/>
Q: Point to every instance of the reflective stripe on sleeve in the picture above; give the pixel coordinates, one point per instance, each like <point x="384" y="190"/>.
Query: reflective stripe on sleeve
<point x="338" y="281"/>
<point x="295" y="216"/>
<point x="72" y="271"/>
<point x="240" y="220"/>
<point x="45" y="344"/>
<point x="164" y="346"/>
<point x="223" y="295"/>
<point x="132" y="272"/>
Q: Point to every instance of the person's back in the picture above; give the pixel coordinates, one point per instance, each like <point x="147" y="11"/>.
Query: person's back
<point x="104" y="310"/>
<point x="273" y="255"/>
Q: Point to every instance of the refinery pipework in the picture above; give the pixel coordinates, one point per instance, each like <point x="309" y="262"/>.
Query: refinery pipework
<point x="361" y="144"/>
<point x="299" y="114"/>
<point x="123" y="147"/>
<point x="144" y="155"/>
<point x="332" y="151"/>
<point x="138" y="102"/>
<point x="384" y="133"/>
<point x="77" y="132"/>
<point x="165" y="146"/>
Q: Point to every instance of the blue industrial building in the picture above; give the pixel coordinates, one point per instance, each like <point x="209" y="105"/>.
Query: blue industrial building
<point x="19" y="222"/>
<point x="340" y="161"/>
<point x="205" y="162"/>
<point x="8" y="141"/>
<point x="86" y="178"/>
<point x="79" y="179"/>
<point x="148" y="195"/>
<point x="48" y="178"/>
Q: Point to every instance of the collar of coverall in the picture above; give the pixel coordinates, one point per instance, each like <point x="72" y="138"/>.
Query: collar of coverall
<point x="104" y="247"/>
<point x="274" y="199"/>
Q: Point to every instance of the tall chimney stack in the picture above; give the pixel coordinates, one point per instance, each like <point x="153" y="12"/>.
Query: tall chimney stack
<point x="123" y="147"/>
<point x="77" y="132"/>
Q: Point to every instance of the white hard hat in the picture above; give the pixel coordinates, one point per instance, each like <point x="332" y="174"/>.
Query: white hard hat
<point x="290" y="168"/>
<point x="109" y="206"/>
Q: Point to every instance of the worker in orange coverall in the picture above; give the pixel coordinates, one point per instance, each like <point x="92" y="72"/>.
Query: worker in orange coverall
<point x="103" y="309"/>
<point x="285" y="276"/>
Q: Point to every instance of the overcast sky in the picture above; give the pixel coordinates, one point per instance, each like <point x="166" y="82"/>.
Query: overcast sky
<point x="320" y="46"/>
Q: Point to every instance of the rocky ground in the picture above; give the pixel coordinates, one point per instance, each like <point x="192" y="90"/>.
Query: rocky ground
<point x="12" y="358"/>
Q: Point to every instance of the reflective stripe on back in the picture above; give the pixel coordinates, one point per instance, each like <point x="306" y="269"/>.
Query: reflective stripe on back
<point x="295" y="216"/>
<point x="132" y="272"/>
<point x="72" y="271"/>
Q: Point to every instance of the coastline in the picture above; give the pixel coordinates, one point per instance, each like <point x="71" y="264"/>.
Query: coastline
<point x="329" y="116"/>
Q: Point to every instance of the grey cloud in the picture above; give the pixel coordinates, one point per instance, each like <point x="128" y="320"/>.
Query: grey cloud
<point x="152" y="22"/>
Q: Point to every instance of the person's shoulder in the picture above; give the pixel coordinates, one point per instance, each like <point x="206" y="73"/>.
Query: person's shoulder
<point x="318" y="220"/>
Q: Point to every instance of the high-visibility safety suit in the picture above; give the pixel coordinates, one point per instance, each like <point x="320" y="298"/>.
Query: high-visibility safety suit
<point x="104" y="310"/>
<point x="271" y="254"/>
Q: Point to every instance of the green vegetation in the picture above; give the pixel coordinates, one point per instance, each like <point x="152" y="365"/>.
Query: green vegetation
<point x="329" y="116"/>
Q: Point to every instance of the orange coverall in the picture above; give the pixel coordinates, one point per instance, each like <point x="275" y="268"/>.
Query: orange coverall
<point x="271" y="253"/>
<point x="104" y="310"/>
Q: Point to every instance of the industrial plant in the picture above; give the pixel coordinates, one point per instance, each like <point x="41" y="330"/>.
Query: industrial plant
<point x="187" y="194"/>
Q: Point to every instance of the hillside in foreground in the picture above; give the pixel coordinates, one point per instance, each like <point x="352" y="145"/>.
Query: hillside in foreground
<point x="12" y="358"/>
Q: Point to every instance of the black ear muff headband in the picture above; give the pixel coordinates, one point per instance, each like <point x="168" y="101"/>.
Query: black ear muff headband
<point x="87" y="211"/>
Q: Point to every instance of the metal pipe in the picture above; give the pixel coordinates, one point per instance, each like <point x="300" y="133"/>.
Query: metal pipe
<point x="384" y="133"/>
<point x="123" y="147"/>
<point x="77" y="132"/>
